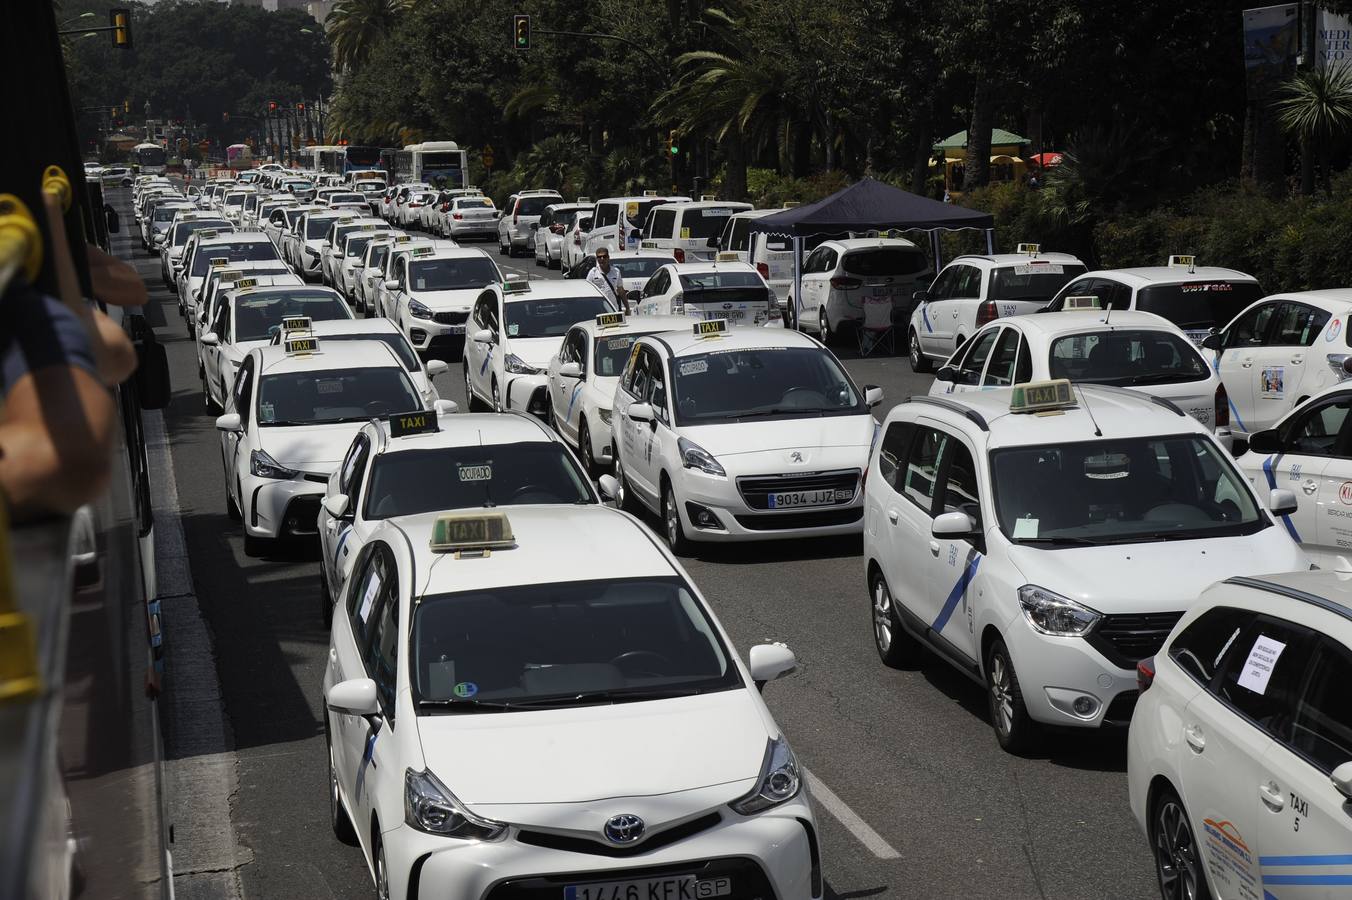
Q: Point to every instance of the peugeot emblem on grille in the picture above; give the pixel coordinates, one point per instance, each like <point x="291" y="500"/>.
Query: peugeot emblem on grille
<point x="796" y="456"/>
<point x="624" y="828"/>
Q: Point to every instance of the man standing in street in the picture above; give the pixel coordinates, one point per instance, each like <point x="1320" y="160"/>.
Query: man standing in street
<point x="607" y="280"/>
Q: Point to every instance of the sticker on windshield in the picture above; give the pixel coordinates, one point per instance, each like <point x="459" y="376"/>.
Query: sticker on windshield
<point x="695" y="367"/>
<point x="715" y="211"/>
<point x="1039" y="269"/>
<point x="475" y="473"/>
<point x="1025" y="528"/>
<point x="685" y="234"/>
<point x="512" y="330"/>
<point x="619" y="343"/>
<point x="466" y="689"/>
<point x="329" y="386"/>
<point x="369" y="598"/>
<point x="267" y="411"/>
<point x="1262" y="660"/>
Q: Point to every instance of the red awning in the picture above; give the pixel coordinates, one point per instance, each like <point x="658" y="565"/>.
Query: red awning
<point x="1046" y="160"/>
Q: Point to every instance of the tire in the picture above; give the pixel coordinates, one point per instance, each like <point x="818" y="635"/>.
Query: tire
<point x="584" y="449"/>
<point x="896" y="648"/>
<point x="338" y="818"/>
<point x="791" y="315"/>
<point x="538" y="262"/>
<point x="920" y="363"/>
<point x="1178" y="865"/>
<point x="1014" y="728"/>
<point x="672" y="528"/>
<point x="475" y="404"/>
<point x="503" y="249"/>
<point x="325" y="601"/>
<point x="496" y="405"/>
<point x="824" y="326"/>
<point x="554" y="264"/>
<point x="628" y="501"/>
<point x="382" y="871"/>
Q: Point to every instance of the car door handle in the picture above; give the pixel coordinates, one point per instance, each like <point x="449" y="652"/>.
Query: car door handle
<point x="1271" y="795"/>
<point x="1246" y="363"/>
<point x="893" y="515"/>
<point x="1193" y="735"/>
<point x="1309" y="487"/>
<point x="934" y="547"/>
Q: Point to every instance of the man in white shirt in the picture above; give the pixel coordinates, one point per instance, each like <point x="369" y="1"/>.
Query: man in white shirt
<point x="607" y="280"/>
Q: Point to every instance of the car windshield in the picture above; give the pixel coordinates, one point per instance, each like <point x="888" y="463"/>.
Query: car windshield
<point x="347" y="198"/>
<point x="533" y="206"/>
<point x="335" y="395"/>
<point x="234" y="199"/>
<point x="704" y="223"/>
<point x="167" y="213"/>
<point x="378" y="255"/>
<point x="552" y="317"/>
<point x="885" y="261"/>
<point x="259" y="316"/>
<point x="1126" y="358"/>
<point x="569" y="643"/>
<point x="183" y="229"/>
<point x="370" y="187"/>
<point x="1032" y="281"/>
<point x="1121" y="490"/>
<point x="396" y="342"/>
<point x="238" y="251"/>
<point x="703" y="281"/>
<point x="762" y="382"/>
<point x="418" y="481"/>
<point x="317" y="227"/>
<point x="357" y="244"/>
<point x="637" y="266"/>
<point x="452" y="274"/>
<point x="1198" y="305"/>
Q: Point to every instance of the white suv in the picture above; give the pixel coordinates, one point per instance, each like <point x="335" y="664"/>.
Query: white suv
<point x="523" y="210"/>
<point x="838" y="275"/>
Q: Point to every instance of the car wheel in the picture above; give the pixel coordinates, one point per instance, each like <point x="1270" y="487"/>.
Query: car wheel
<point x="627" y="499"/>
<point x="503" y="249"/>
<point x="824" y="327"/>
<point x="475" y="405"/>
<point x="1014" y="728"/>
<point x="896" y="648"/>
<point x="791" y="315"/>
<point x="493" y="392"/>
<point x="554" y="264"/>
<point x="338" y="818"/>
<point x="920" y="363"/>
<point x="584" y="448"/>
<point x="1178" y="863"/>
<point x="382" y="870"/>
<point x="671" y="523"/>
<point x="325" y="601"/>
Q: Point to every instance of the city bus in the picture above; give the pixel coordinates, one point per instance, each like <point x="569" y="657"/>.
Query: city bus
<point x="310" y="157"/>
<point x="343" y="160"/>
<point x="151" y="158"/>
<point x="238" y="156"/>
<point x="439" y="163"/>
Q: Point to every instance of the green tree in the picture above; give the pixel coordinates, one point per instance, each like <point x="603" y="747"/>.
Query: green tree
<point x="354" y="27"/>
<point x="1316" y="106"/>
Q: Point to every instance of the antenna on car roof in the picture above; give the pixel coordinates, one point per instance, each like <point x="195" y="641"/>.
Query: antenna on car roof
<point x="1098" y="432"/>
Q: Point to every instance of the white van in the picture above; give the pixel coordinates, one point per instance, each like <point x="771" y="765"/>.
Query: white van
<point x="616" y="221"/>
<point x="690" y="230"/>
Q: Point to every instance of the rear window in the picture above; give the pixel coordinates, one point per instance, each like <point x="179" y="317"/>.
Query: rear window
<point x="885" y="261"/>
<point x="638" y="266"/>
<point x="473" y="203"/>
<point x="661" y="224"/>
<point x="1198" y="305"/>
<point x="704" y="223"/>
<point x="533" y="206"/>
<point x="1032" y="281"/>
<point x="607" y="214"/>
<point x="1126" y="358"/>
<point x="707" y="280"/>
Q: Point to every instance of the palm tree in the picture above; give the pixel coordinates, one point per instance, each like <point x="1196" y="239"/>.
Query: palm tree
<point x="1316" y="106"/>
<point x="355" y="26"/>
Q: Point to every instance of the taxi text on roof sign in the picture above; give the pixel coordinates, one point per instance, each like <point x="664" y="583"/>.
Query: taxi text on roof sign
<point x="218" y="261"/>
<point x="296" y="323"/>
<point x="648" y="245"/>
<point x="1029" y="249"/>
<point x="403" y="238"/>
<point x="471" y="531"/>
<point x="423" y="251"/>
<point x="1082" y="302"/>
<point x="728" y="256"/>
<point x="515" y="286"/>
<point x="296" y="346"/>
<point x="609" y="320"/>
<point x="710" y="328"/>
<point x="1036" y="396"/>
<point x="1183" y="262"/>
<point x="207" y="233"/>
<point x="421" y="422"/>
<point x="245" y="283"/>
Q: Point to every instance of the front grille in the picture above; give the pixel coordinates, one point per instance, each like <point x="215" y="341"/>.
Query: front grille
<point x="756" y="489"/>
<point x="598" y="848"/>
<point x="784" y="521"/>
<point x="1120" y="710"/>
<point x="302" y="515"/>
<point x="1125" y="640"/>
<point x="450" y="318"/>
<point x="748" y="880"/>
<point x="449" y="344"/>
<point x="312" y="476"/>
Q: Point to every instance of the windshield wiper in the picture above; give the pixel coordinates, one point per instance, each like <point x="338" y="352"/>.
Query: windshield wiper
<point x="1059" y="541"/>
<point x="466" y="705"/>
<point x="1155" y="378"/>
<point x="621" y="696"/>
<point x="779" y="411"/>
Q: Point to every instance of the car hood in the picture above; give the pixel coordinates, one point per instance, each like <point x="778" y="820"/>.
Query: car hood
<point x="536" y="351"/>
<point x="509" y="765"/>
<point x="1110" y="579"/>
<point x="804" y="434"/>
<point x="310" y="448"/>
<point x="441" y="301"/>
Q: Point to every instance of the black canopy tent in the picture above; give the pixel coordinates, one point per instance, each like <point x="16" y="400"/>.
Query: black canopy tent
<point x="869" y="205"/>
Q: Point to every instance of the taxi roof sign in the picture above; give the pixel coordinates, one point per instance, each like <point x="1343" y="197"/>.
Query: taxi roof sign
<point x="650" y="193"/>
<point x="1029" y="249"/>
<point x="515" y="285"/>
<point x="423" y="421"/>
<point x="218" y="261"/>
<point x="1041" y="396"/>
<point x="423" y="251"/>
<point x="648" y="245"/>
<point x="610" y="320"/>
<point x="710" y="328"/>
<point x="477" y="530"/>
<point x="296" y="323"/>
<point x="1083" y="302"/>
<point x="1188" y="262"/>
<point x="727" y="256"/>
<point x="301" y="345"/>
<point x="242" y="284"/>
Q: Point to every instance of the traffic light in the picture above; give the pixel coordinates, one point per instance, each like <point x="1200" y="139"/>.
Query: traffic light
<point x="521" y="28"/>
<point x="272" y="106"/>
<point x="126" y="106"/>
<point x="672" y="147"/>
<point x="225" y="117"/>
<point x="119" y="18"/>
<point x="300" y="107"/>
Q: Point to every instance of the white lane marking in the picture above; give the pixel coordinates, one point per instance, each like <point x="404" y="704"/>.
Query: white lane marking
<point x="858" y="827"/>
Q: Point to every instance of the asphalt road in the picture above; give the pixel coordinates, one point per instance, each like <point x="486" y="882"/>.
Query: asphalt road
<point x="918" y="800"/>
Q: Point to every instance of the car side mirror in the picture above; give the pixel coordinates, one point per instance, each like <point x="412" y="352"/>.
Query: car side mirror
<point x="712" y="243"/>
<point x="1213" y="341"/>
<point x="113" y="220"/>
<point x="1342" y="779"/>
<point x="920" y="296"/>
<point x="229" y="422"/>
<point x="946" y="373"/>
<point x="483" y="336"/>
<point x="391" y="284"/>
<point x="953" y="524"/>
<point x="210" y="339"/>
<point x="608" y="486"/>
<point x="1265" y="441"/>
<point x="570" y="370"/>
<point x="497" y="214"/>
<point x="354" y="697"/>
<point x="873" y="395"/>
<point x="1281" y="502"/>
<point x="642" y="412"/>
<point x="534" y="226"/>
<point x="770" y="661"/>
<point x="336" y="505"/>
<point x="446" y="407"/>
<point x="436" y="367"/>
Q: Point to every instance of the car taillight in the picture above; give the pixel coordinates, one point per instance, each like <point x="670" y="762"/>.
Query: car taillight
<point x="577" y="240"/>
<point x="846" y="284"/>
<point x="1145" y="673"/>
<point x="557" y="229"/>
<point x="414" y="205"/>
<point x="763" y="270"/>
<point x="986" y="313"/>
<point x="457" y="216"/>
<point x="515" y="218"/>
<point x="445" y="207"/>
<point x="678" y="254"/>
<point x="1222" y="407"/>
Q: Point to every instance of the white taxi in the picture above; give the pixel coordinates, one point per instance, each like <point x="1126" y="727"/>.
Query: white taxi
<point x="431" y="292"/>
<point x="1281" y="350"/>
<point x="1239" y="760"/>
<point x="635" y="267"/>
<point x="290" y="417"/>
<point x="411" y="464"/>
<point x="1044" y="538"/>
<point x="176" y="240"/>
<point x="210" y="249"/>
<point x="840" y="274"/>
<point x="370" y="275"/>
<point x="515" y="328"/>
<point x="583" y="376"/>
<point x="336" y="331"/>
<point x="737" y="434"/>
<point x="304" y="245"/>
<point x="972" y="291"/>
<point x="552" y="227"/>
<point x="689" y="231"/>
<point x="331" y="251"/>
<point x="475" y="668"/>
<point x="1134" y="350"/>
<point x="615" y="221"/>
<point x="384" y="303"/>
<point x="731" y="291"/>
<point x="348" y="267"/>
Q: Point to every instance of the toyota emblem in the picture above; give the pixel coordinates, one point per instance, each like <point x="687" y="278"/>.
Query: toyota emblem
<point x="624" y="828"/>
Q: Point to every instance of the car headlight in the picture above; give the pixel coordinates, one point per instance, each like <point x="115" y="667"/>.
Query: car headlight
<point x="418" y="310"/>
<point x="429" y="806"/>
<point x="779" y="781"/>
<point x="693" y="456"/>
<point x="1050" y="613"/>
<point x="518" y="366"/>
<point x="604" y="414"/>
<point x="264" y="466"/>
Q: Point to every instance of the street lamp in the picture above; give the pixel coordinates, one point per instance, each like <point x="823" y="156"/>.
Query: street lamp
<point x="88" y="15"/>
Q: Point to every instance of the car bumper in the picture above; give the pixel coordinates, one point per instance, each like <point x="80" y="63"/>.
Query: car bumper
<point x="527" y="393"/>
<point x="1054" y="671"/>
<point x="309" y="265"/>
<point x="274" y="508"/>
<point x="773" y="854"/>
<point x="697" y="491"/>
<point x="487" y="229"/>
<point x="429" y="334"/>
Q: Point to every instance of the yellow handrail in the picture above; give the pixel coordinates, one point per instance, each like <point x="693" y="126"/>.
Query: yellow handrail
<point x="20" y="241"/>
